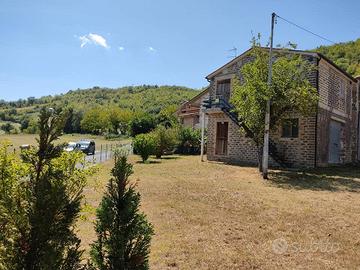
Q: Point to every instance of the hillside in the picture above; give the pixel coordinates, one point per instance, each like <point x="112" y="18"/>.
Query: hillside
<point x="346" y="55"/>
<point x="145" y="98"/>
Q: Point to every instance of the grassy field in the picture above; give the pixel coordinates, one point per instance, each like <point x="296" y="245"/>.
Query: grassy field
<point x="19" y="139"/>
<point x="215" y="216"/>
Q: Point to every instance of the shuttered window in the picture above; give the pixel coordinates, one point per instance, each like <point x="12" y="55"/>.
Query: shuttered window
<point x="290" y="128"/>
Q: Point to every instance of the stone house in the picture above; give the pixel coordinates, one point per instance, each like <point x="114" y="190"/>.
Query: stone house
<point x="331" y="136"/>
<point x="189" y="113"/>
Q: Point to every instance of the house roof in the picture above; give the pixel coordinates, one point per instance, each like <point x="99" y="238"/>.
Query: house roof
<point x="204" y="92"/>
<point x="309" y="53"/>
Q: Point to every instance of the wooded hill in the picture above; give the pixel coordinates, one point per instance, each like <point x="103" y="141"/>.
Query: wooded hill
<point x="149" y="99"/>
<point x="346" y="55"/>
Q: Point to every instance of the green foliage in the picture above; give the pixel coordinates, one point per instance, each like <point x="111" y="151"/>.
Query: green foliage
<point x="95" y="121"/>
<point x="346" y="55"/>
<point x="7" y="127"/>
<point x="40" y="202"/>
<point x="167" y="116"/>
<point x="32" y="127"/>
<point x="123" y="233"/>
<point x="165" y="140"/>
<point x="141" y="123"/>
<point x="290" y="90"/>
<point x="144" y="145"/>
<point x="145" y="98"/>
<point x="119" y="119"/>
<point x="73" y="121"/>
<point x="189" y="141"/>
<point x="14" y="203"/>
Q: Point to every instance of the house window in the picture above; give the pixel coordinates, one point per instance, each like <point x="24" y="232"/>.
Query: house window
<point x="221" y="138"/>
<point x="290" y="128"/>
<point x="223" y="89"/>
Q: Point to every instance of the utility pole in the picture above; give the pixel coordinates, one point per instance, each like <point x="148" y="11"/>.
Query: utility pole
<point x="202" y="113"/>
<point x="265" y="161"/>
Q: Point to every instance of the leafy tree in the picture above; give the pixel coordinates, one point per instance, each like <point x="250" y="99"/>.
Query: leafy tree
<point x="7" y="127"/>
<point x="167" y="117"/>
<point x="95" y="121"/>
<point x="33" y="126"/>
<point x="123" y="233"/>
<point x="290" y="90"/>
<point x="144" y="145"/>
<point x="142" y="123"/>
<point x="40" y="204"/>
<point x="24" y="124"/>
<point x="119" y="119"/>
<point x="73" y="121"/>
<point x="164" y="139"/>
<point x="189" y="141"/>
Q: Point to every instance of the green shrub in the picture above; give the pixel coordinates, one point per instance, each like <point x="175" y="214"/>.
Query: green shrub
<point x="165" y="140"/>
<point x="144" y="145"/>
<point x="189" y="141"/>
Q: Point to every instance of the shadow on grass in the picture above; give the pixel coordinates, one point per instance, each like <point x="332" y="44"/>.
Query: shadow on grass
<point x="170" y="157"/>
<point x="322" y="179"/>
<point x="149" y="162"/>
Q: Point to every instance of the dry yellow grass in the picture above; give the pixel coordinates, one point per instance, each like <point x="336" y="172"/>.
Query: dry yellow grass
<point x="217" y="216"/>
<point x="19" y="139"/>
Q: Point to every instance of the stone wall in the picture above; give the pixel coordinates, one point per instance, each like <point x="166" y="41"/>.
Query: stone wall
<point x="338" y="102"/>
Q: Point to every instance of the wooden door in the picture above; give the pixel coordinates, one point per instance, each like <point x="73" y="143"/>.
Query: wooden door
<point x="221" y="138"/>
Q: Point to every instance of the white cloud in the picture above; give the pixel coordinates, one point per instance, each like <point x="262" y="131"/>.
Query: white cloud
<point x="121" y="48"/>
<point x="93" y="39"/>
<point x="151" y="49"/>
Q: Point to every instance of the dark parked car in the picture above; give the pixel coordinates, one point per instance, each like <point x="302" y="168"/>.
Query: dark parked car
<point x="86" y="146"/>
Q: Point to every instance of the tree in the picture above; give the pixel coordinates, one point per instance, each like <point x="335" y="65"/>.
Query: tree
<point x="290" y="90"/>
<point x="142" y="123"/>
<point x="40" y="204"/>
<point x="7" y="127"/>
<point x="73" y="121"/>
<point x="95" y="121"/>
<point x="167" y="117"/>
<point x="119" y="119"/>
<point x="164" y="140"/>
<point x="123" y="233"/>
<point x="144" y="145"/>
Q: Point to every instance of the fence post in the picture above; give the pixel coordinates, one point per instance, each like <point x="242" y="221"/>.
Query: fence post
<point x="100" y="152"/>
<point x="106" y="150"/>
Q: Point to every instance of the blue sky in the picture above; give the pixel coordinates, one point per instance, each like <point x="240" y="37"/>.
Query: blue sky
<point x="49" y="47"/>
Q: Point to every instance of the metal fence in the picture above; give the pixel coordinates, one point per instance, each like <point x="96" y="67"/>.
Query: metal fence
<point x="103" y="152"/>
<point x="106" y="151"/>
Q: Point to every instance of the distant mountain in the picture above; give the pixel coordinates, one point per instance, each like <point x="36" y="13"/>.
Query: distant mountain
<point x="346" y="55"/>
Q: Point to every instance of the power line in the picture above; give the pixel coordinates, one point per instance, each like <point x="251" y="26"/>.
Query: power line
<point x="304" y="29"/>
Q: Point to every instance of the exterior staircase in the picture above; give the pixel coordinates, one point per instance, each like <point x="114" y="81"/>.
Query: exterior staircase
<point x="228" y="109"/>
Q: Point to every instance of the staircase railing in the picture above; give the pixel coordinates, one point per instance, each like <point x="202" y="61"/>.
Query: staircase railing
<point x="228" y="109"/>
